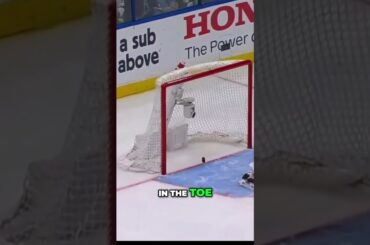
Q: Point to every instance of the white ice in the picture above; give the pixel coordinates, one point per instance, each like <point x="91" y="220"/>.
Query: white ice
<point x="141" y="215"/>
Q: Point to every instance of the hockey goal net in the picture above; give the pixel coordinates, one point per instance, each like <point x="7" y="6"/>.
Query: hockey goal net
<point x="209" y="102"/>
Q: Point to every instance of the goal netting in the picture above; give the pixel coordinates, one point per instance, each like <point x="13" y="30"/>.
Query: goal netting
<point x="202" y="103"/>
<point x="312" y="99"/>
<point x="66" y="199"/>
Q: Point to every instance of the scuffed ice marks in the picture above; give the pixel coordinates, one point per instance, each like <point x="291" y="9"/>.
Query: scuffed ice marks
<point x="290" y="168"/>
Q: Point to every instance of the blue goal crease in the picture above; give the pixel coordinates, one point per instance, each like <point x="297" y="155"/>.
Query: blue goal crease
<point x="223" y="175"/>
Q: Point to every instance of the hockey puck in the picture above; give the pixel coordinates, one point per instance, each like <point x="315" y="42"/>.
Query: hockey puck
<point x="203" y="159"/>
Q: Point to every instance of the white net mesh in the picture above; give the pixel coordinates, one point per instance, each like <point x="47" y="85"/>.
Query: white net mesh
<point x="65" y="199"/>
<point x="220" y="102"/>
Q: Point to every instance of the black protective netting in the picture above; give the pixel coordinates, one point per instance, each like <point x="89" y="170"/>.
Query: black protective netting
<point x="312" y="89"/>
<point x="66" y="199"/>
